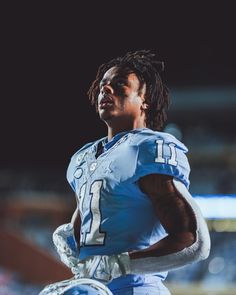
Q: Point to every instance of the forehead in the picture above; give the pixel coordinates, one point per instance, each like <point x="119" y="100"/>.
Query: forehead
<point x="110" y="73"/>
<point x="122" y="72"/>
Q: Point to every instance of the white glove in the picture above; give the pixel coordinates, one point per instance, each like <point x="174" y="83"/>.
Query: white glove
<point x="102" y="267"/>
<point x="66" y="245"/>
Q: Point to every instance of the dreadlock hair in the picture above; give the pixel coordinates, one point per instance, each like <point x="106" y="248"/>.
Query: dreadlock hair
<point x="147" y="69"/>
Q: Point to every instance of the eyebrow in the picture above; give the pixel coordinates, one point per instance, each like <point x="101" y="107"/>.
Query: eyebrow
<point x="116" y="76"/>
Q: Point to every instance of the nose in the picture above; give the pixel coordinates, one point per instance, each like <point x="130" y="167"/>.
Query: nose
<point x="107" y="89"/>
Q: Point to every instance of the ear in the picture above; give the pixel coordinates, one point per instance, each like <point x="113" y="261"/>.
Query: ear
<point x="144" y="106"/>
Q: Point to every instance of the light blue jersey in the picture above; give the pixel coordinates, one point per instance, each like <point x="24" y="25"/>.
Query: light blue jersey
<point x="116" y="216"/>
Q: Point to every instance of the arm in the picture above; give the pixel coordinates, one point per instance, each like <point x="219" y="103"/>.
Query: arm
<point x="66" y="239"/>
<point x="188" y="237"/>
<point x="76" y="221"/>
<point x="174" y="213"/>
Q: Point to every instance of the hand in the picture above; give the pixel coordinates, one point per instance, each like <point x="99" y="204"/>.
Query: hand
<point x="103" y="267"/>
<point x="66" y="245"/>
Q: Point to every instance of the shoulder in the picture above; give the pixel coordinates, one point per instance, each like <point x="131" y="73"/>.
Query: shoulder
<point x="149" y="140"/>
<point x="77" y="159"/>
<point x="82" y="151"/>
<point x="146" y="136"/>
<point x="161" y="153"/>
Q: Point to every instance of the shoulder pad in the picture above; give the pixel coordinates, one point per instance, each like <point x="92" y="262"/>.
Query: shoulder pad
<point x="76" y="159"/>
<point x="161" y="153"/>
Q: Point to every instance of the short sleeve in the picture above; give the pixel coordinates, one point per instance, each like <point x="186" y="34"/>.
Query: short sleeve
<point x="163" y="154"/>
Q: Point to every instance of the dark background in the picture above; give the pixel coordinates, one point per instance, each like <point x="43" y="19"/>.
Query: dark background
<point x="52" y="52"/>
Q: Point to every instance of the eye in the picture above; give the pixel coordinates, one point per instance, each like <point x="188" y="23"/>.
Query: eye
<point x="120" y="83"/>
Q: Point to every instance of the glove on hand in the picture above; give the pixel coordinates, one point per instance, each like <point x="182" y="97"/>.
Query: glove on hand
<point x="102" y="267"/>
<point x="66" y="245"/>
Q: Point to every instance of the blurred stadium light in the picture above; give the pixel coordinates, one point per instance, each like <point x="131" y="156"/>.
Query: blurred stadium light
<point x="217" y="206"/>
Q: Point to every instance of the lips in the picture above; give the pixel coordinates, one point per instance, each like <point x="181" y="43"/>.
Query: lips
<point x="106" y="101"/>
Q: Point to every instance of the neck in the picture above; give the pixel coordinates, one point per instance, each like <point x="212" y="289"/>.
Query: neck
<point x="123" y="126"/>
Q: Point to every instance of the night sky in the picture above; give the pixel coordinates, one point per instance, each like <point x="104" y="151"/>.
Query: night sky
<point x="52" y="51"/>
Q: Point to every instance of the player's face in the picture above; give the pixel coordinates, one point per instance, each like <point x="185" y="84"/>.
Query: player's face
<point x="120" y="95"/>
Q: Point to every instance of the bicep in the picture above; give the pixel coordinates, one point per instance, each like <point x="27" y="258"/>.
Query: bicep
<point x="173" y="211"/>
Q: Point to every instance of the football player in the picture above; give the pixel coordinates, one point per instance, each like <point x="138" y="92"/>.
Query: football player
<point x="135" y="218"/>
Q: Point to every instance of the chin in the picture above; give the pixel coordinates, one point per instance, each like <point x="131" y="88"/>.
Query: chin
<point x="105" y="116"/>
